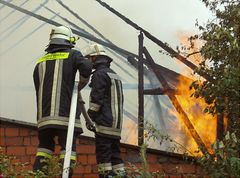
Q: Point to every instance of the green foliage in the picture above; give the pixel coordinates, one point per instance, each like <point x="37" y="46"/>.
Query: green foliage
<point x="52" y="168"/>
<point x="143" y="170"/>
<point x="11" y="168"/>
<point x="221" y="61"/>
<point x="221" y="87"/>
<point x="156" y="135"/>
<point x="225" y="161"/>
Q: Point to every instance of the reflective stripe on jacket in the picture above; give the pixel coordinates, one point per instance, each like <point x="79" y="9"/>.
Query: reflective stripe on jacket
<point x="106" y="101"/>
<point x="54" y="77"/>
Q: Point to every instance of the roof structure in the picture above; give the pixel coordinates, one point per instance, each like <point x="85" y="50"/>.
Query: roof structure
<point x="150" y="89"/>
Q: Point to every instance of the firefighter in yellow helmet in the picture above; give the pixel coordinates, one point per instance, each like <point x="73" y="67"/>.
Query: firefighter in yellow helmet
<point x="54" y="77"/>
<point x="106" y="110"/>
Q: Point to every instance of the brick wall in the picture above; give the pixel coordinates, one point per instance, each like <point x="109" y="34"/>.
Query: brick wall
<point x="21" y="140"/>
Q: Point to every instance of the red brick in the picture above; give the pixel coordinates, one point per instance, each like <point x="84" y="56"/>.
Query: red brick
<point x="15" y="160"/>
<point x="82" y="159"/>
<point x="2" y="141"/>
<point x="2" y="133"/>
<point x="151" y="158"/>
<point x="25" y="159"/>
<point x="91" y="176"/>
<point x="57" y="149"/>
<point x="28" y="167"/>
<point x="24" y="132"/>
<point x="32" y="159"/>
<point x="17" y="150"/>
<point x="86" y="149"/>
<point x="34" y="140"/>
<point x="170" y="168"/>
<point x="76" y="176"/>
<point x="92" y="159"/>
<point x="13" y="141"/>
<point x="33" y="133"/>
<point x="12" y="132"/>
<point x="26" y="141"/>
<point x="155" y="167"/>
<point x="186" y="168"/>
<point x="94" y="169"/>
<point x="83" y="169"/>
<point x="31" y="150"/>
<point x="77" y="142"/>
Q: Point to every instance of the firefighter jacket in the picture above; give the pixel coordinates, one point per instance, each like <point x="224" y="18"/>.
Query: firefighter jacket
<point x="106" y="101"/>
<point x="54" y="77"/>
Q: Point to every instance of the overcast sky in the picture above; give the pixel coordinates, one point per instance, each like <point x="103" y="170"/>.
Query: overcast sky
<point x="23" y="39"/>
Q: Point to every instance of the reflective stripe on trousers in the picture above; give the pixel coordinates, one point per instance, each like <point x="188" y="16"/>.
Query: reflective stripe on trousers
<point x="73" y="155"/>
<point x="44" y="153"/>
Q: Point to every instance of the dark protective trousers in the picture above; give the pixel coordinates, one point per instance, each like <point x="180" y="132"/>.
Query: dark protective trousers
<point x="108" y="156"/>
<point x="47" y="145"/>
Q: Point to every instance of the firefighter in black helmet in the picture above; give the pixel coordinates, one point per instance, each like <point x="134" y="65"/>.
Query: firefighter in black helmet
<point x="106" y="110"/>
<point x="54" y="77"/>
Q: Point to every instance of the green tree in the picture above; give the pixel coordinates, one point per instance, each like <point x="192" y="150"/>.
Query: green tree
<point x="221" y="88"/>
<point x="221" y="61"/>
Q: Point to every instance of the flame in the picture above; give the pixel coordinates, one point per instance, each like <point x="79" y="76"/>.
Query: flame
<point x="188" y="143"/>
<point x="130" y="133"/>
<point x="204" y="124"/>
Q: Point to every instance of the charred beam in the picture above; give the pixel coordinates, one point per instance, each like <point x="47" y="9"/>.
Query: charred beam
<point x="16" y="26"/>
<point x="176" y="104"/>
<point x="83" y="21"/>
<point x="163" y="45"/>
<point x="131" y="57"/>
<point x="81" y="29"/>
<point x="87" y="36"/>
<point x="140" y="91"/>
<point x="163" y="91"/>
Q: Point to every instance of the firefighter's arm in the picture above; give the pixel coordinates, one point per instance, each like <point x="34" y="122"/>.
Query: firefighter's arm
<point x="98" y="85"/>
<point x="85" y="69"/>
<point x="82" y="82"/>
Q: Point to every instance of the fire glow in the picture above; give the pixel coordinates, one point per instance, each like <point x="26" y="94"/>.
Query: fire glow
<point x="204" y="124"/>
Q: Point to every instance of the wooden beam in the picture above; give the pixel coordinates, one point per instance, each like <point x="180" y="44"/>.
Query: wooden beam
<point x="163" y="91"/>
<point x="176" y="104"/>
<point x="140" y="92"/>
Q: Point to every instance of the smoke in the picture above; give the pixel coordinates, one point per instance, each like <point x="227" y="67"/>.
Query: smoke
<point x="2" y="6"/>
<point x="6" y="16"/>
<point x="26" y="37"/>
<point x="20" y="22"/>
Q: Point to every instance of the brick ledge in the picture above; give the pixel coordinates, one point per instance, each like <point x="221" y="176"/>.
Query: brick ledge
<point x="134" y="147"/>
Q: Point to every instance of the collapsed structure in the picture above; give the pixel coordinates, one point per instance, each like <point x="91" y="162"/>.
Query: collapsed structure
<point x="157" y="86"/>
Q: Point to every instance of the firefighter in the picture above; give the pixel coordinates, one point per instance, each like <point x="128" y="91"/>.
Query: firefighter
<point x="106" y="110"/>
<point x="54" y="77"/>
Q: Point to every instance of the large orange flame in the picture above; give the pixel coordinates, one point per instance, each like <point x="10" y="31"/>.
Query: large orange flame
<point x="204" y="124"/>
